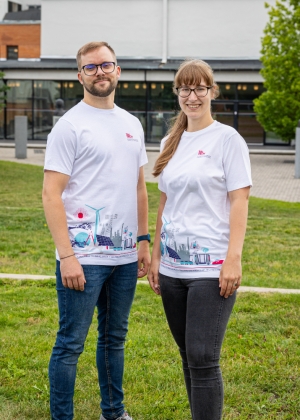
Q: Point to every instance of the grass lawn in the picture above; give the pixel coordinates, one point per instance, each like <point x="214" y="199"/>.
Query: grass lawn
<point x="261" y="353"/>
<point x="271" y="252"/>
<point x="260" y="358"/>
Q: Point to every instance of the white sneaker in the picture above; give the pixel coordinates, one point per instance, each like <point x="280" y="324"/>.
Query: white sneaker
<point x="125" y="416"/>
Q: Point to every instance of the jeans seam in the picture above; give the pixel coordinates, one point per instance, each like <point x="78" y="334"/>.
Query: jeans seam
<point x="215" y="347"/>
<point x="106" y="344"/>
<point x="64" y="337"/>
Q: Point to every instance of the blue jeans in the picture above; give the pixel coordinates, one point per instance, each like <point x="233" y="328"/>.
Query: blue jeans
<point x="111" y="289"/>
<point x="197" y="316"/>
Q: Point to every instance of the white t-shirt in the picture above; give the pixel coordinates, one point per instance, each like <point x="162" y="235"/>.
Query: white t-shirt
<point x="195" y="222"/>
<point x="102" y="152"/>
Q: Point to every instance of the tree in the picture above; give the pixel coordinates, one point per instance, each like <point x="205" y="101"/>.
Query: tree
<point x="278" y="109"/>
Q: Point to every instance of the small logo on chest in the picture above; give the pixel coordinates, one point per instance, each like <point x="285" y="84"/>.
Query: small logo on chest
<point x="130" y="137"/>
<point x="202" y="154"/>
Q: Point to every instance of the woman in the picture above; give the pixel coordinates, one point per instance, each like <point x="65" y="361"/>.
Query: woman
<point x="205" y="180"/>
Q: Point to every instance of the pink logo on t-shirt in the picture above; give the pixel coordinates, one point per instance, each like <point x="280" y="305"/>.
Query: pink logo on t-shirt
<point x="202" y="154"/>
<point x="129" y="136"/>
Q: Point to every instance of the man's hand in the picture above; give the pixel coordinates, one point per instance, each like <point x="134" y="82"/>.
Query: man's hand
<point x="143" y="258"/>
<point x="72" y="273"/>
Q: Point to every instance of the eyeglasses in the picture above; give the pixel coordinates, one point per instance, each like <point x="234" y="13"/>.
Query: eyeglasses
<point x="91" y="69"/>
<point x="200" y="91"/>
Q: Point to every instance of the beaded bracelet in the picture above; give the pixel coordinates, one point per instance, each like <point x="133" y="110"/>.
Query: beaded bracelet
<point x="67" y="256"/>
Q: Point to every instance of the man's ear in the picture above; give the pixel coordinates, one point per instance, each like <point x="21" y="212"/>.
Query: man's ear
<point x="118" y="72"/>
<point x="79" y="77"/>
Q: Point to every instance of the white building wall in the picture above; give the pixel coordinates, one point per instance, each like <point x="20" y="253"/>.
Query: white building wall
<point x="216" y="28"/>
<point x="133" y="28"/>
<point x="208" y="29"/>
<point x="26" y="3"/>
<point x="3" y="8"/>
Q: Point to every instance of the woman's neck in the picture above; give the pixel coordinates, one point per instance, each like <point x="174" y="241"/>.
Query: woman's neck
<point x="199" y="124"/>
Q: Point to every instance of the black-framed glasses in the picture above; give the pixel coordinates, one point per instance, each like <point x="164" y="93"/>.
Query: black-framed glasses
<point x="91" y="69"/>
<point x="200" y="91"/>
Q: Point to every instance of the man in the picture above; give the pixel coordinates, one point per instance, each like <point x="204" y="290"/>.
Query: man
<point x="95" y="202"/>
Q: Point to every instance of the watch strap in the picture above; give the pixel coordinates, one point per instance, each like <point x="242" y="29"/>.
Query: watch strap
<point x="144" y="238"/>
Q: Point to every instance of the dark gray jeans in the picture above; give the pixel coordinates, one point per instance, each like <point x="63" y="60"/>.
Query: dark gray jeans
<point x="198" y="317"/>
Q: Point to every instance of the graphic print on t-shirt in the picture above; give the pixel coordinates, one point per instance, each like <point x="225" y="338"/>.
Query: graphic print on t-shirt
<point x="180" y="256"/>
<point x="104" y="233"/>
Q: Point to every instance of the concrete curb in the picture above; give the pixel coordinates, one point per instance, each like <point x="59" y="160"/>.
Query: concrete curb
<point x="241" y="289"/>
<point x="259" y="151"/>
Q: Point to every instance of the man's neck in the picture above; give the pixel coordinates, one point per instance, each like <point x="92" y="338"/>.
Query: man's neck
<point x="99" y="102"/>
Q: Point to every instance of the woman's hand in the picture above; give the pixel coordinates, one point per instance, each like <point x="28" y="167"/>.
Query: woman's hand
<point x="231" y="271"/>
<point x="153" y="276"/>
<point x="230" y="276"/>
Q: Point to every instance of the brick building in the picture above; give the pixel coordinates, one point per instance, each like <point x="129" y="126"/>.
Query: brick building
<point x="20" y="40"/>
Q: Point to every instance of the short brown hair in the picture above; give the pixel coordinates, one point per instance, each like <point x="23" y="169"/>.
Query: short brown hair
<point x="90" y="46"/>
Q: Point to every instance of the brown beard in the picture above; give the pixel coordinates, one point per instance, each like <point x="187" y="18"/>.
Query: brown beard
<point x="101" y="93"/>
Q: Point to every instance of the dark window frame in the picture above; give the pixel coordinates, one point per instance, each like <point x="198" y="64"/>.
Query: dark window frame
<point x="14" y="7"/>
<point x="10" y="53"/>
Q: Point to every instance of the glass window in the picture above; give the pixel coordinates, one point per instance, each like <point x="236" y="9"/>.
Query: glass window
<point x="250" y="129"/>
<point x="273" y="139"/>
<point x="14" y="7"/>
<point x="157" y="125"/>
<point x="249" y="91"/>
<point x="131" y="96"/>
<point x="71" y="93"/>
<point x="12" y="52"/>
<point x="47" y="105"/>
<point x="227" y="91"/>
<point x="161" y="96"/>
<point x="248" y="126"/>
<point x="19" y="102"/>
<point x="1" y="123"/>
<point x="223" y="112"/>
<point x="1" y="111"/>
<point x="142" y="117"/>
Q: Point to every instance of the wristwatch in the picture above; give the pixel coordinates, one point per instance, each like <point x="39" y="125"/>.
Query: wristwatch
<point x="144" y="238"/>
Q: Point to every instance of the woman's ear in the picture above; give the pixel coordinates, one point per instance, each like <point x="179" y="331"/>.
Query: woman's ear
<point x="214" y="92"/>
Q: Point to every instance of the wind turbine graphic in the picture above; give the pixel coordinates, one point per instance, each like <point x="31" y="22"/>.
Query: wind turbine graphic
<point x="168" y="250"/>
<point x="97" y="220"/>
<point x="164" y="227"/>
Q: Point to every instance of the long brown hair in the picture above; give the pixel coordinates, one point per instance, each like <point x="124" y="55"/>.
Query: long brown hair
<point x="190" y="72"/>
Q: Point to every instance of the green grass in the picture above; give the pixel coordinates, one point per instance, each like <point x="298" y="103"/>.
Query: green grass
<point x="260" y="358"/>
<point x="25" y="243"/>
<point x="271" y="251"/>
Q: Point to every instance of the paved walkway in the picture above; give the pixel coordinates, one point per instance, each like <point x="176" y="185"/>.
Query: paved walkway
<point x="272" y="174"/>
<point x="241" y="289"/>
<point x="272" y="170"/>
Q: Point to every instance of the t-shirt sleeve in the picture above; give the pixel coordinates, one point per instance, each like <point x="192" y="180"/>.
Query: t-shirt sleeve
<point x="143" y="154"/>
<point x="161" y="186"/>
<point x="61" y="148"/>
<point x="236" y="162"/>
